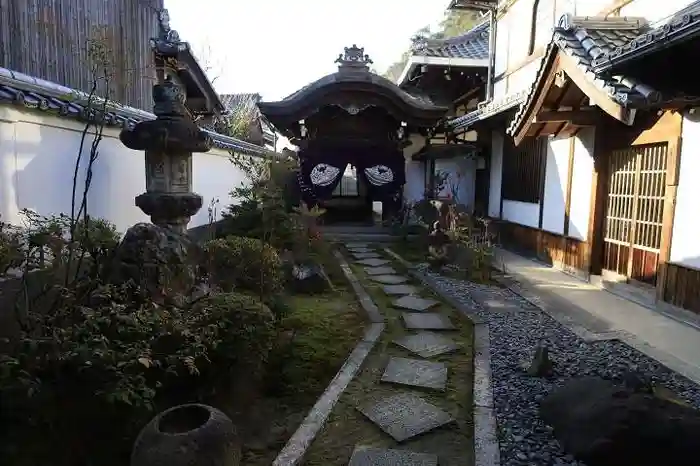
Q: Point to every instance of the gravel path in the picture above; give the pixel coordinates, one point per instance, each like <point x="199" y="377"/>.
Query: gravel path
<point x="524" y="439"/>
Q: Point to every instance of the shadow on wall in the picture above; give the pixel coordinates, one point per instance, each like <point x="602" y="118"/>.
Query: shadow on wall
<point x="45" y="159"/>
<point x="588" y="143"/>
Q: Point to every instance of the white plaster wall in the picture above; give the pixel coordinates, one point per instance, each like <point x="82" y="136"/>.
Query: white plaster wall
<point x="461" y="177"/>
<point x="496" y="169"/>
<point x="685" y="247"/>
<point x="555" y="181"/>
<point x="524" y="77"/>
<point x="37" y="161"/>
<point x="590" y="7"/>
<point x="522" y="213"/>
<point x="414" y="189"/>
<point x="581" y="184"/>
<point x="653" y="10"/>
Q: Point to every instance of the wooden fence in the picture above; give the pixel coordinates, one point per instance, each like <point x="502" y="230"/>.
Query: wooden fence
<point x="51" y="39"/>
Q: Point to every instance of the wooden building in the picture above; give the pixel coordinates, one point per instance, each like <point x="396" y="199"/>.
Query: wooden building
<point x="52" y="40"/>
<point x="352" y="125"/>
<point x="453" y="73"/>
<point x="591" y="147"/>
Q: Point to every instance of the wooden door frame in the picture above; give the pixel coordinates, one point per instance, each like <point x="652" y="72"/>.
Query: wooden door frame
<point x="664" y="127"/>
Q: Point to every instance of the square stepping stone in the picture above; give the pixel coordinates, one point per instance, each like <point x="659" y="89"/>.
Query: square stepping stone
<point x="379" y="270"/>
<point x="427" y="344"/>
<point x="395" y="290"/>
<point x="414" y="303"/>
<point x="366" y="255"/>
<point x="373" y="262"/>
<point x="366" y="456"/>
<point x="356" y="245"/>
<point x="389" y="279"/>
<point x="359" y="250"/>
<point x="405" y="415"/>
<point x="427" y="321"/>
<point x="416" y="373"/>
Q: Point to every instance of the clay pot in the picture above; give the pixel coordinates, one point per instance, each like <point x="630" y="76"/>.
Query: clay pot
<point x="188" y="435"/>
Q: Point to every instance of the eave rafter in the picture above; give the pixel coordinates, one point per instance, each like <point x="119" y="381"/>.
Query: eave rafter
<point x="549" y="110"/>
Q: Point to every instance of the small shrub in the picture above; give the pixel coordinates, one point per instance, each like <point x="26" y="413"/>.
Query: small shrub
<point x="245" y="263"/>
<point x="89" y="375"/>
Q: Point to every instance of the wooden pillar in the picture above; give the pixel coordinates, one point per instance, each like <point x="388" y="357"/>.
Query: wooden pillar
<point x="567" y="200"/>
<point x="596" y="218"/>
<point x="542" y="147"/>
<point x="672" y="174"/>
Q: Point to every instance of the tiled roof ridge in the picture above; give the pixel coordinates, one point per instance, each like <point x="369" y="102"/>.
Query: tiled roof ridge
<point x="451" y="46"/>
<point x="683" y="19"/>
<point x="571" y="29"/>
<point x="621" y="23"/>
<point x="39" y="94"/>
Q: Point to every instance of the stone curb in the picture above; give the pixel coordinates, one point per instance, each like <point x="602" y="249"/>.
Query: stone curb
<point x="523" y="288"/>
<point x="486" y="447"/>
<point x="295" y="448"/>
<point x="365" y="299"/>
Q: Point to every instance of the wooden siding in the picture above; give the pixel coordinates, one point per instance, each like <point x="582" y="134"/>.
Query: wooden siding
<point x="49" y="39"/>
<point x="568" y="254"/>
<point x="681" y="286"/>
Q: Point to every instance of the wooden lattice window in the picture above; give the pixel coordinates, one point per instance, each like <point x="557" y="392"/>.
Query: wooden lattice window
<point x="523" y="170"/>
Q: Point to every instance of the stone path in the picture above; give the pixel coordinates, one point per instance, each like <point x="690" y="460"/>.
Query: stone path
<point x="404" y="412"/>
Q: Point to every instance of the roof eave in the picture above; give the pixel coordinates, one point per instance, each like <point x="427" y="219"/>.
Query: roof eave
<point x="415" y="60"/>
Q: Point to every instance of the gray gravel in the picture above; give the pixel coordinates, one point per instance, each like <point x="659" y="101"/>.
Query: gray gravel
<point x="524" y="439"/>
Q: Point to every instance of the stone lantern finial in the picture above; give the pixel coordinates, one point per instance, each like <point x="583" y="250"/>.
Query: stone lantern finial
<point x="169" y="142"/>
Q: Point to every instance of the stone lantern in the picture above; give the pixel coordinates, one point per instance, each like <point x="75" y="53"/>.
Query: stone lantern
<point x="169" y="142"/>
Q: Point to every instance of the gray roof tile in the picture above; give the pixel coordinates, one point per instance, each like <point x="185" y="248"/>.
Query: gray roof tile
<point x="473" y="44"/>
<point x="682" y="25"/>
<point x="584" y="39"/>
<point x="38" y="94"/>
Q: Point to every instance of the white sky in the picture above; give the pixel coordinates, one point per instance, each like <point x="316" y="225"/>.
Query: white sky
<point x="274" y="47"/>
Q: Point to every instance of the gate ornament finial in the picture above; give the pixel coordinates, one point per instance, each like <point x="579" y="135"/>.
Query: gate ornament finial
<point x="354" y="57"/>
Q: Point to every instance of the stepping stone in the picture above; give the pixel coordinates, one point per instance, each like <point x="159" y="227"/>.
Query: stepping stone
<point x="405" y="415"/>
<point x="373" y="262"/>
<point x="416" y="373"/>
<point x="414" y="303"/>
<point x="400" y="289"/>
<point x="427" y="344"/>
<point x="366" y="456"/>
<point x="360" y="250"/>
<point x="366" y="255"/>
<point x="379" y="270"/>
<point x="427" y="321"/>
<point x="389" y="279"/>
<point x="356" y="245"/>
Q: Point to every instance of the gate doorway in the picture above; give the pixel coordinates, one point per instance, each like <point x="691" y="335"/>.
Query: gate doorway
<point x="634" y="213"/>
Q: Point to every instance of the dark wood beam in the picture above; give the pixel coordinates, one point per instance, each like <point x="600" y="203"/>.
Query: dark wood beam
<point x="574" y="117"/>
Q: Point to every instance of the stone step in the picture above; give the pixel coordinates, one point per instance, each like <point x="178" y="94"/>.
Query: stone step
<point x="380" y="271"/>
<point x="405" y="415"/>
<point x="365" y="255"/>
<point x="367" y="456"/>
<point x="416" y="373"/>
<point x="427" y="321"/>
<point x="427" y="344"/>
<point x="396" y="290"/>
<point x="414" y="303"/>
<point x="389" y="279"/>
<point x="373" y="262"/>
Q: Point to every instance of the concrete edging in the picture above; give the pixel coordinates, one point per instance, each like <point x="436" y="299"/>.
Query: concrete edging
<point x="486" y="447"/>
<point x="295" y="448"/>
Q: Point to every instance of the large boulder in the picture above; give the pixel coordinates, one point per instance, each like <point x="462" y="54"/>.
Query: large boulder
<point x="308" y="278"/>
<point x="603" y="423"/>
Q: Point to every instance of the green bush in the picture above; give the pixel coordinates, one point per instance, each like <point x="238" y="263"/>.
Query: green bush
<point x="79" y="386"/>
<point x="245" y="263"/>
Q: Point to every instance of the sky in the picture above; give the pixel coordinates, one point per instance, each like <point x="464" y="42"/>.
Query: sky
<point x="275" y="47"/>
